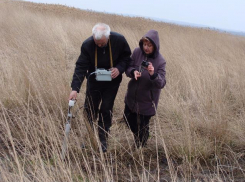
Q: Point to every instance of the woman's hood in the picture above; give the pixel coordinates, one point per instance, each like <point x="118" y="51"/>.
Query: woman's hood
<point x="153" y="36"/>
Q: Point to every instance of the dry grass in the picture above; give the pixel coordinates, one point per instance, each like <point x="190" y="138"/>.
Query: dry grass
<point x="199" y="127"/>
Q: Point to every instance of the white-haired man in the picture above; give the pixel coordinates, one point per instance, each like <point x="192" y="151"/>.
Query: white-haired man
<point x="108" y="50"/>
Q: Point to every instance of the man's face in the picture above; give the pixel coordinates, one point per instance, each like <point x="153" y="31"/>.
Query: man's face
<point x="102" y="42"/>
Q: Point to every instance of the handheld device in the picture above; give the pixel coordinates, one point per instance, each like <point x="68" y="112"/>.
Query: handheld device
<point x="71" y="103"/>
<point x="67" y="128"/>
<point x="102" y="74"/>
<point x="145" y="64"/>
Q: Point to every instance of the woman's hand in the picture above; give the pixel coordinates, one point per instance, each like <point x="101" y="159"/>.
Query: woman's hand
<point x="150" y="69"/>
<point x="137" y="74"/>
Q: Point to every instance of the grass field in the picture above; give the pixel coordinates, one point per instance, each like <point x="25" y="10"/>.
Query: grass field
<point x="198" y="133"/>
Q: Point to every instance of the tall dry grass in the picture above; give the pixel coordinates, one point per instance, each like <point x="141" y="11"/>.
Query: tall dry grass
<point x="199" y="127"/>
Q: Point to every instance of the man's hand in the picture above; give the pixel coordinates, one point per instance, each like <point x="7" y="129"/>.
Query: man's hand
<point x="137" y="74"/>
<point x="114" y="72"/>
<point x="73" y="95"/>
<point x="150" y="69"/>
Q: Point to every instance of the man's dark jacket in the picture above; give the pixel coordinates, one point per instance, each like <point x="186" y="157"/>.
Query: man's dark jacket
<point x="85" y="64"/>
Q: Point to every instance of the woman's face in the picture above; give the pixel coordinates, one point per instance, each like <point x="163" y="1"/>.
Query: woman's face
<point x="148" y="47"/>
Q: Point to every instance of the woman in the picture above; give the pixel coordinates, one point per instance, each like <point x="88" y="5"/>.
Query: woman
<point x="147" y="73"/>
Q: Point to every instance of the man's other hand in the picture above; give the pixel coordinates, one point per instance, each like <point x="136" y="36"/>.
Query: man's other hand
<point x="73" y="95"/>
<point x="114" y="72"/>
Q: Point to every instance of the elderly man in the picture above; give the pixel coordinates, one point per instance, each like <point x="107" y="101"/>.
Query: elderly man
<point x="105" y="50"/>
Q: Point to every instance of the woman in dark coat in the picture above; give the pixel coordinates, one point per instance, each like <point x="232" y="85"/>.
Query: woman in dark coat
<point x="147" y="73"/>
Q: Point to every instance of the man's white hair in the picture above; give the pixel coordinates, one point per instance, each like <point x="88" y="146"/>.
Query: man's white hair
<point x="100" y="30"/>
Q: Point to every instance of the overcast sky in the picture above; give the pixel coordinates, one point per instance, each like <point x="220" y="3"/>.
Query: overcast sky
<point x="220" y="14"/>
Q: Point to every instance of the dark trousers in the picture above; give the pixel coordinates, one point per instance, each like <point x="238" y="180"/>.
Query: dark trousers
<point x="100" y="98"/>
<point x="139" y="125"/>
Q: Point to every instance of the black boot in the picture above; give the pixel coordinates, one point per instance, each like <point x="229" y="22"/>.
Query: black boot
<point x="103" y="140"/>
<point x="104" y="146"/>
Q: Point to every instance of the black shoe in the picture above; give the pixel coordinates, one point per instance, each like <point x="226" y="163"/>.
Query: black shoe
<point x="83" y="146"/>
<point x="165" y="161"/>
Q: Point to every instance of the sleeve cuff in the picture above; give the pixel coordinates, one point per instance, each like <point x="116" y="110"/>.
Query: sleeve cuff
<point x="120" y="69"/>
<point x="132" y="72"/>
<point x="152" y="77"/>
<point x="75" y="89"/>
